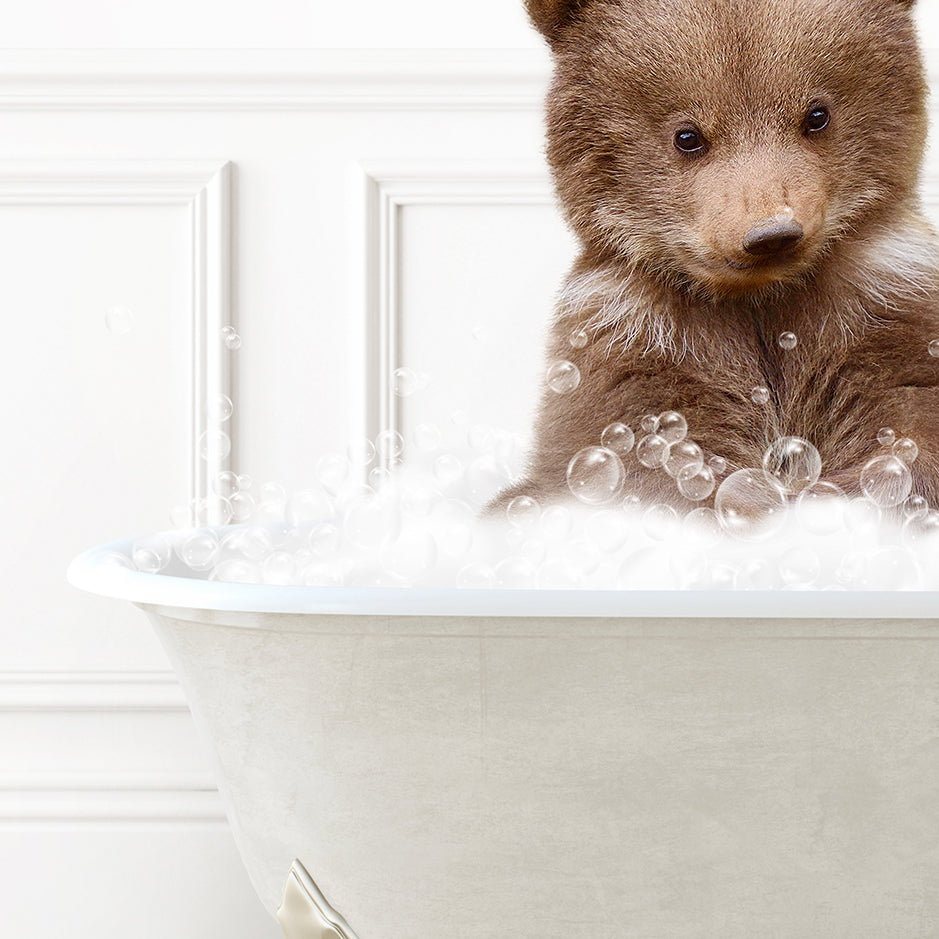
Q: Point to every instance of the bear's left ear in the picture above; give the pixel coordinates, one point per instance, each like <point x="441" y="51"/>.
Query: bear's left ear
<point x="549" y="16"/>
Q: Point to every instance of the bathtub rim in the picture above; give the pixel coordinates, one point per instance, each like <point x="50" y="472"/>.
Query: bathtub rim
<point x="89" y="572"/>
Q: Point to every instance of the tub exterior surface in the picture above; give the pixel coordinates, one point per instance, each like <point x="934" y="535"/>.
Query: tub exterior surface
<point x="539" y="778"/>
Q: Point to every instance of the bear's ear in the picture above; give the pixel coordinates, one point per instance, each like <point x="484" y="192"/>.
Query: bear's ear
<point x="549" y="16"/>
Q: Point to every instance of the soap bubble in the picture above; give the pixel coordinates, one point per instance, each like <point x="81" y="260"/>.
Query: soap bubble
<point x="411" y="555"/>
<point x="906" y="450"/>
<point x="370" y="519"/>
<point x="934" y="348"/>
<point x="119" y="321"/>
<point x="486" y="476"/>
<point x="236" y="571"/>
<point x="447" y="469"/>
<point x="476" y="576"/>
<point x="760" y="394"/>
<point x="390" y="446"/>
<point x="252" y="543"/>
<point x="619" y="438"/>
<point x="649" y="423"/>
<point x="607" y="529"/>
<point x="595" y="475"/>
<point x="279" y="568"/>
<point x="821" y="508"/>
<point x="886" y="481"/>
<point x="862" y="517"/>
<point x="672" y="426"/>
<point x="321" y="575"/>
<point x="792" y="464"/>
<point x="652" y="451"/>
<point x="199" y="549"/>
<point x="556" y="522"/>
<point x="893" y="567"/>
<point x="799" y="567"/>
<point x="886" y="436"/>
<point x="219" y="408"/>
<point x="214" y="445"/>
<point x="324" y="539"/>
<point x="683" y="455"/>
<point x="718" y="464"/>
<point x="360" y="452"/>
<point x="788" y="341"/>
<point x="660" y="521"/>
<point x="243" y="506"/>
<point x="696" y="482"/>
<point x="481" y="437"/>
<point x="755" y="574"/>
<point x="563" y="377"/>
<point x="703" y="527"/>
<point x="230" y="337"/>
<point x="427" y="437"/>
<point x="516" y="573"/>
<point x="308" y="505"/>
<point x="151" y="554"/>
<point x="419" y="499"/>
<point x="922" y="529"/>
<point x="405" y="382"/>
<point x="915" y="507"/>
<point x="749" y="505"/>
<point x="555" y="575"/>
<point x="225" y="484"/>
<point x="579" y="338"/>
<point x="523" y="512"/>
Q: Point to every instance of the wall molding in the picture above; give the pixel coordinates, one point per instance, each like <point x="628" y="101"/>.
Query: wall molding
<point x="91" y="691"/>
<point x="389" y="189"/>
<point x="203" y="188"/>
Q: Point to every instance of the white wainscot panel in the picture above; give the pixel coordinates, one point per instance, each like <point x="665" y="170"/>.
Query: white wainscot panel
<point x="465" y="263"/>
<point x="102" y="423"/>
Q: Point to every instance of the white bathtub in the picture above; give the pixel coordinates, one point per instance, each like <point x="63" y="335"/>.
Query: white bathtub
<point x="544" y="765"/>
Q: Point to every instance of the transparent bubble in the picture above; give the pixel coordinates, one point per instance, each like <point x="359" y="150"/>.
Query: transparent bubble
<point x="523" y="512"/>
<point x="243" y="506"/>
<point x="516" y="573"/>
<point x="427" y="438"/>
<point x="370" y="519"/>
<point x="915" y="507"/>
<point x="792" y="463"/>
<point x="557" y="522"/>
<point x="922" y="530"/>
<point x="749" y="506"/>
<point x="116" y="559"/>
<point x="199" y="549"/>
<point x="219" y="408"/>
<point x="405" y="382"/>
<point x="244" y="481"/>
<point x="893" y="567"/>
<point x="607" y="530"/>
<point x="861" y="516"/>
<point x="447" y="469"/>
<point x="821" y="508"/>
<point x="308" y="505"/>
<point x="906" y="449"/>
<point x="321" y="575"/>
<point x="480" y="333"/>
<point x="554" y="574"/>
<point x="595" y="475"/>
<point x="378" y="477"/>
<point x="331" y="472"/>
<point x="214" y="445"/>
<point x="237" y="571"/>
<point x="755" y="574"/>
<point x="703" y="527"/>
<point x="476" y="576"/>
<point x="718" y="464"/>
<point x="649" y="423"/>
<point x="419" y="499"/>
<point x="324" y="539"/>
<point x="360" y="452"/>
<point x="788" y="341"/>
<point x="459" y="417"/>
<point x="886" y="481"/>
<point x="619" y="438"/>
<point x="252" y="544"/>
<point x="934" y="348"/>
<point x="412" y="555"/>
<point x="454" y="523"/>
<point x="481" y="437"/>
<point x="119" y="321"/>
<point x="225" y="484"/>
<point x="485" y="476"/>
<point x="390" y="446"/>
<point x="563" y="377"/>
<point x="760" y="394"/>
<point x="696" y="482"/>
<point x="579" y="338"/>
<point x="151" y="554"/>
<point x="279" y="568"/>
<point x="799" y="567"/>
<point x="273" y="492"/>
<point x="652" y="451"/>
<point x="886" y="436"/>
<point x="672" y="426"/>
<point x="660" y="521"/>
<point x="683" y="455"/>
<point x="230" y="337"/>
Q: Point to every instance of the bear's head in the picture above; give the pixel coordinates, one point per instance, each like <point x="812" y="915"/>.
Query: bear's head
<point x="728" y="145"/>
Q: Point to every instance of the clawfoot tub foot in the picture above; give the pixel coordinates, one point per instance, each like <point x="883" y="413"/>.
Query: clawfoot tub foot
<point x="304" y="912"/>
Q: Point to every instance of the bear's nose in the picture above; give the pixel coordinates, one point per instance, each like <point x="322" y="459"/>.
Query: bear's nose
<point x="772" y="236"/>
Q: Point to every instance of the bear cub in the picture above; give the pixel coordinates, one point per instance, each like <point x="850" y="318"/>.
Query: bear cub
<point x="742" y="178"/>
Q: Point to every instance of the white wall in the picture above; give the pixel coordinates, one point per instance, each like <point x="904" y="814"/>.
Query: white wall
<point x="114" y="192"/>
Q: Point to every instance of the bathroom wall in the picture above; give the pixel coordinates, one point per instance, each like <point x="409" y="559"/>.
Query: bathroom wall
<point x="168" y="170"/>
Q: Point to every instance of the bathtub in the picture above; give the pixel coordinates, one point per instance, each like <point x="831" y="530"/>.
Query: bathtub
<point x="417" y="764"/>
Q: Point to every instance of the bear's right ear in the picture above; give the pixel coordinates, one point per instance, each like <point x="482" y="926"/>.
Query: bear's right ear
<point x="549" y="16"/>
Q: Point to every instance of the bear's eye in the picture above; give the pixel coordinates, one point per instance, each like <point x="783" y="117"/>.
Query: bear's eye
<point x="816" y="119"/>
<point x="690" y="140"/>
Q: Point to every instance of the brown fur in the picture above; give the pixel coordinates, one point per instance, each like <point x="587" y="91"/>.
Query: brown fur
<point x="678" y="315"/>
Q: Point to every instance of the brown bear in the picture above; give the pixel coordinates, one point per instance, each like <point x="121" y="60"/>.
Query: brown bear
<point x="738" y="171"/>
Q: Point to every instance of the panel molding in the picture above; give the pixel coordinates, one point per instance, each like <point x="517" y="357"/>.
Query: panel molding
<point x="203" y="188"/>
<point x="389" y="189"/>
